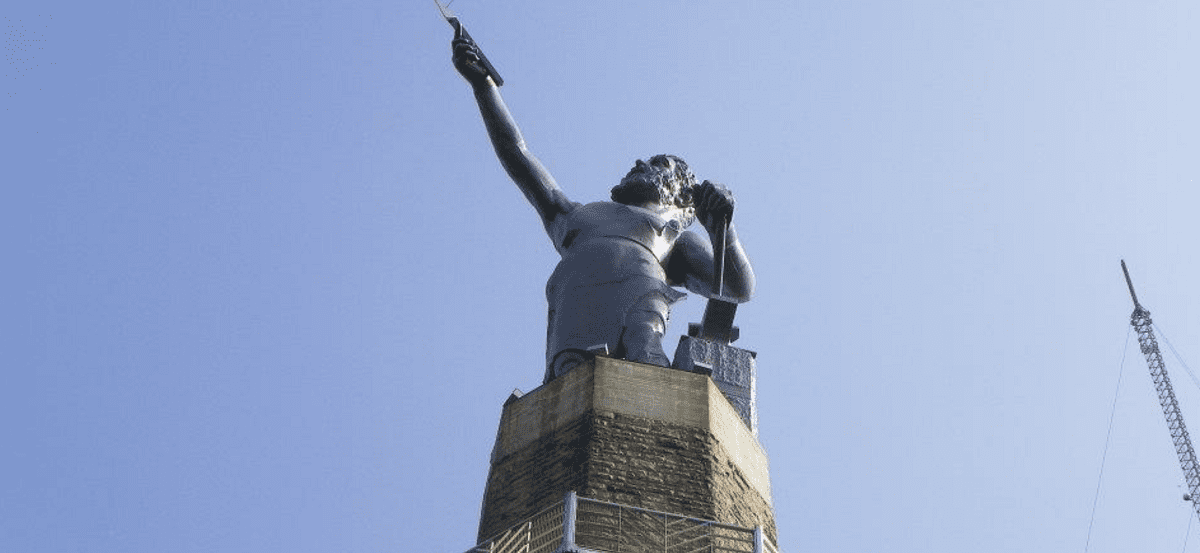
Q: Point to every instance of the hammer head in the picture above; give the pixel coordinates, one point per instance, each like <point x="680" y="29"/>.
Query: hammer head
<point x="717" y="325"/>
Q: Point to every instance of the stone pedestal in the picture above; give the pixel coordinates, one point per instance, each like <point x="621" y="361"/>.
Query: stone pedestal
<point x="623" y="432"/>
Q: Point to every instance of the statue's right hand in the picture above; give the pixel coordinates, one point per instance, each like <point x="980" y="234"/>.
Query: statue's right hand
<point x="466" y="61"/>
<point x="714" y="205"/>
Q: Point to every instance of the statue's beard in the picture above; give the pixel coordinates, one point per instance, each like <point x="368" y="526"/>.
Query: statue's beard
<point x="642" y="188"/>
<point x="639" y="188"/>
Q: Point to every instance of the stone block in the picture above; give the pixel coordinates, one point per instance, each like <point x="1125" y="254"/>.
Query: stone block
<point x="732" y="369"/>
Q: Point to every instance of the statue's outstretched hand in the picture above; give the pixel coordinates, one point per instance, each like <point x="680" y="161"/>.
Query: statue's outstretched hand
<point x="467" y="61"/>
<point x="714" y="205"/>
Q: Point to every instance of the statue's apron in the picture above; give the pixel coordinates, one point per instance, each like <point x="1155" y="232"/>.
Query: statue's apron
<point x="610" y="289"/>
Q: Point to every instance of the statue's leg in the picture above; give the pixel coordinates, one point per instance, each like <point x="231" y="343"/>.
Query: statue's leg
<point x="645" y="325"/>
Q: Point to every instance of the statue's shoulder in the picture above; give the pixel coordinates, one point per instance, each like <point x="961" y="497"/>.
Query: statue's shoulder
<point x="592" y="213"/>
<point x="589" y="219"/>
<point x="613" y="215"/>
<point x="602" y="206"/>
<point x="607" y="214"/>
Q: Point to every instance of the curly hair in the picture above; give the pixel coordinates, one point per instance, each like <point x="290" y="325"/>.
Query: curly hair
<point x="634" y="191"/>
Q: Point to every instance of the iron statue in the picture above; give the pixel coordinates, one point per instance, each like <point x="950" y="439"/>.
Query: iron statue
<point x="623" y="259"/>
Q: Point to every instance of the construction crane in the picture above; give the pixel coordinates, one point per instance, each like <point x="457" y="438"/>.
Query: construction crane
<point x="1140" y="319"/>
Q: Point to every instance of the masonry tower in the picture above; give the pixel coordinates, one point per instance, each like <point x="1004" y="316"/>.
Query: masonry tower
<point x="621" y="456"/>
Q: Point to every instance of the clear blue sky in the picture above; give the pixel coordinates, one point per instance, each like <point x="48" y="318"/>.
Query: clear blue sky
<point x="266" y="286"/>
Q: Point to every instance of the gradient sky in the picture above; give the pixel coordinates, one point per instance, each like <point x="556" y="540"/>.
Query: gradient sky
<point x="267" y="286"/>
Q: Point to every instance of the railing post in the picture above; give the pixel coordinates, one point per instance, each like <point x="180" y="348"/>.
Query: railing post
<point x="758" y="540"/>
<point x="570" y="507"/>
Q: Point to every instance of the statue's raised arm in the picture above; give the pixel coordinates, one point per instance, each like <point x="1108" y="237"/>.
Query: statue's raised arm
<point x="525" y="170"/>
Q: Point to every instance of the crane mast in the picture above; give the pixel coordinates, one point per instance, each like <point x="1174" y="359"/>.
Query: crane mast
<point x="1140" y="319"/>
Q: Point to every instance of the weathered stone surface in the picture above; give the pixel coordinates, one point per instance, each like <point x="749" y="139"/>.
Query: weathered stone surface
<point x="627" y="433"/>
<point x="733" y="370"/>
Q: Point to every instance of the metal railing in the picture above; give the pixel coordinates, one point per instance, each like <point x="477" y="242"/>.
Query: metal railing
<point x="614" y="528"/>
<point x="586" y="525"/>
<point x="542" y="533"/>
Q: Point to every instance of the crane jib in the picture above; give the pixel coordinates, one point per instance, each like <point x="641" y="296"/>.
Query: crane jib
<point x="1144" y="326"/>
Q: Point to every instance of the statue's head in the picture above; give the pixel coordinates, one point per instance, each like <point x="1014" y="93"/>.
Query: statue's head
<point x="664" y="180"/>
